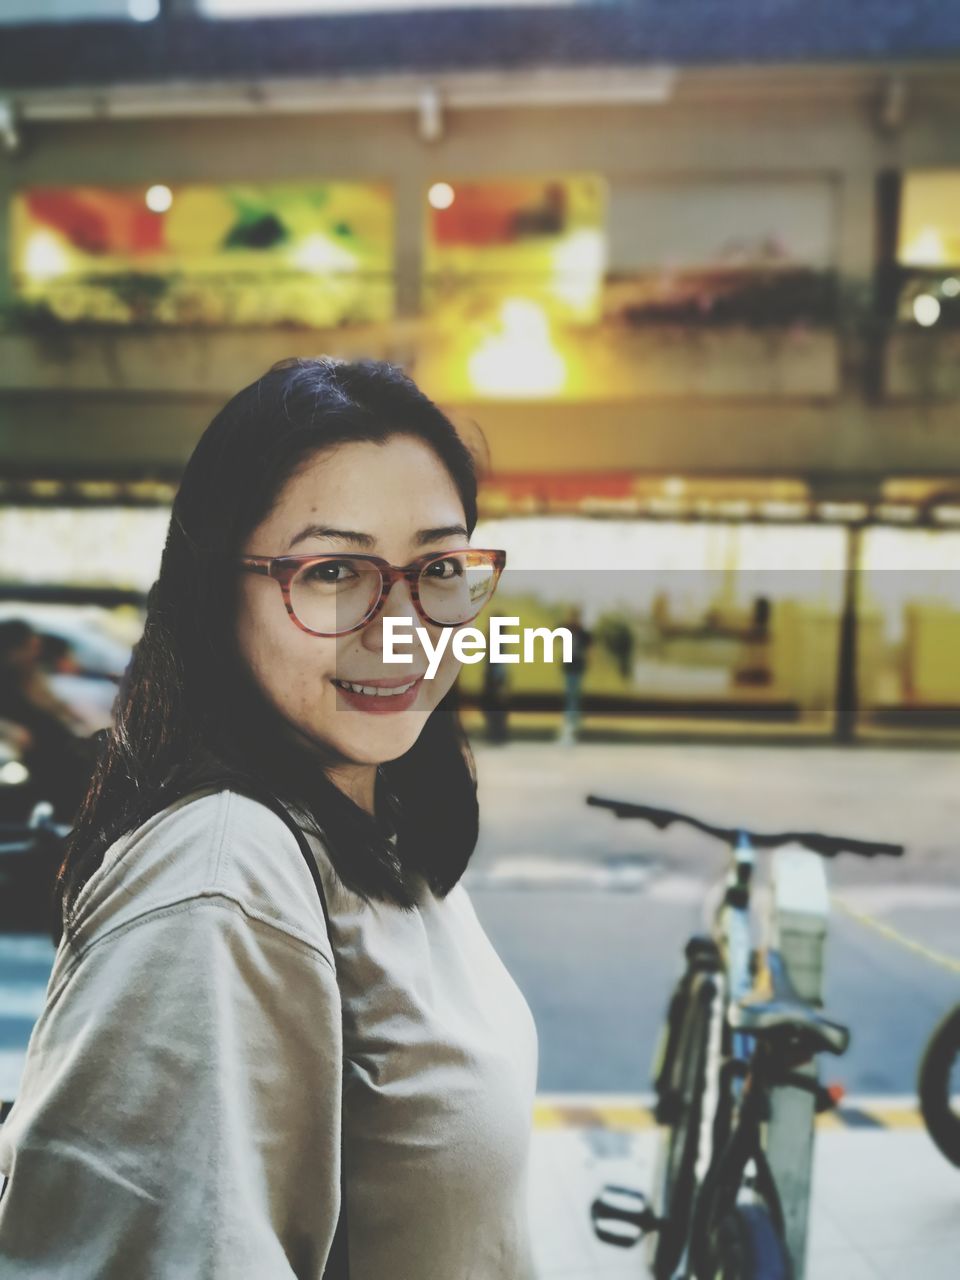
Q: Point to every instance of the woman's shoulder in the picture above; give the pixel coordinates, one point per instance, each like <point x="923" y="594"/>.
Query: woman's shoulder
<point x="219" y="845"/>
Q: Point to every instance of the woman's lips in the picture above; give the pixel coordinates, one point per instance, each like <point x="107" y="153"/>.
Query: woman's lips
<point x="379" y="704"/>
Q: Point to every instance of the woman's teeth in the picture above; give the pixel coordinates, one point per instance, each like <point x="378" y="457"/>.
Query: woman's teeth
<point x="375" y="691"/>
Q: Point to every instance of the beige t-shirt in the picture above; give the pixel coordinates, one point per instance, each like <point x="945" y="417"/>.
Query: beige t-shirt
<point x="181" y="1107"/>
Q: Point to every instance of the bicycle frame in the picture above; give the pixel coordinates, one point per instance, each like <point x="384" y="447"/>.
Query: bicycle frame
<point x="734" y="929"/>
<point x="783" y="1137"/>
<point x="724" y="1179"/>
<point x="739" y="1120"/>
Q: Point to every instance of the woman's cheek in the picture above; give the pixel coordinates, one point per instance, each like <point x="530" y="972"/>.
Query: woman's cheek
<point x="447" y="673"/>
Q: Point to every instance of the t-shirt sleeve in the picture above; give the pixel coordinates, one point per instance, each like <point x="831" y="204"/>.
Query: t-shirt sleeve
<point x="180" y="1110"/>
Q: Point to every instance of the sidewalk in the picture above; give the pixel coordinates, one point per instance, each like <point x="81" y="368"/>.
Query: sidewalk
<point x="886" y="1205"/>
<point x="601" y="727"/>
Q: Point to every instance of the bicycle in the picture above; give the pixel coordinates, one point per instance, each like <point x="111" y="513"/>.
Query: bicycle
<point x="735" y="1079"/>
<point x="938" y="1086"/>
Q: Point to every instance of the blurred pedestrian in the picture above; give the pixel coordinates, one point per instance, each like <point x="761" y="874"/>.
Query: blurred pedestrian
<point x="753" y="664"/>
<point x="573" y="671"/>
<point x="495" y="701"/>
<point x="58" y="758"/>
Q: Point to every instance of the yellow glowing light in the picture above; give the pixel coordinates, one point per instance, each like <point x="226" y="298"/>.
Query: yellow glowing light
<point x="441" y="195"/>
<point x="45" y="257"/>
<point x="926" y="309"/>
<point x="950" y="287"/>
<point x="521" y="359"/>
<point x="579" y="262"/>
<point x="159" y="198"/>
<point x="926" y="249"/>
<point x="320" y="253"/>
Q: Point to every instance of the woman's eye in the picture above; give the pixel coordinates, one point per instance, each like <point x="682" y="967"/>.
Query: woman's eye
<point x="330" y="571"/>
<point x="451" y="568"/>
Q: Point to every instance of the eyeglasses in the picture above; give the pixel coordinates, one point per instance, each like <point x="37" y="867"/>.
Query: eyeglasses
<point x="332" y="595"/>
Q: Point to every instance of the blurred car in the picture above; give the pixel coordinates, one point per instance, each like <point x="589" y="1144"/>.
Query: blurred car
<point x="99" y="640"/>
<point x="98" y="643"/>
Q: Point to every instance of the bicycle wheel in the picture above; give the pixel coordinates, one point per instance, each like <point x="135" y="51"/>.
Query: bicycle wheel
<point x="675" y="1180"/>
<point x="939" y="1077"/>
<point x="745" y="1245"/>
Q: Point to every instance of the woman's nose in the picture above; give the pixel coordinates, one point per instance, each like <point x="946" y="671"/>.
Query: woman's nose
<point x="398" y="604"/>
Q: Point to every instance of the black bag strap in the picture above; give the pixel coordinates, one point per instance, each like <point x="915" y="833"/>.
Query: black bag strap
<point x="338" y="1259"/>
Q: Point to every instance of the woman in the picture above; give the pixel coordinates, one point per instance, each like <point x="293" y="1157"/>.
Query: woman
<point x="51" y="737"/>
<point x="208" y="1043"/>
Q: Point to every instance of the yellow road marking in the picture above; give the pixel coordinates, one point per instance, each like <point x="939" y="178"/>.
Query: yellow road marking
<point x="939" y="958"/>
<point x="594" y="1114"/>
<point x="829" y="1120"/>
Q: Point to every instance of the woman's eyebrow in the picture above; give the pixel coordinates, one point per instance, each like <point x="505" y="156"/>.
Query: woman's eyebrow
<point x="325" y="531"/>
<point x="421" y="538"/>
<point x="442" y="531"/>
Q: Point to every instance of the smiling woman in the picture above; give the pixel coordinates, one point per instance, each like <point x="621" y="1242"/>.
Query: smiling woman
<point x="227" y="1062"/>
<point x="379" y="491"/>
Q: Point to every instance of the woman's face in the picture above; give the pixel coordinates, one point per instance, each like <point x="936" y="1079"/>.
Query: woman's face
<point x="395" y="500"/>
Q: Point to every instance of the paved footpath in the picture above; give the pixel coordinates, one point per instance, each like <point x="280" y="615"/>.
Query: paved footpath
<point x="886" y="1206"/>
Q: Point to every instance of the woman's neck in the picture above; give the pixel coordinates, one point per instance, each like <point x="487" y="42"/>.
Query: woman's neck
<point x="358" y="781"/>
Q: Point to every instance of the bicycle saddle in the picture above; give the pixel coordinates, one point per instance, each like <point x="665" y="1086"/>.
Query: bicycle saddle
<point x="773" y="1018"/>
<point x="783" y="1015"/>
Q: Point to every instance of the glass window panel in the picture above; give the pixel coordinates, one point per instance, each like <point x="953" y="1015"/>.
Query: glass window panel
<point x="909" y="629"/>
<point x="690" y="619"/>
<point x="716" y="222"/>
<point x="930" y="219"/>
<point x="82" y="547"/>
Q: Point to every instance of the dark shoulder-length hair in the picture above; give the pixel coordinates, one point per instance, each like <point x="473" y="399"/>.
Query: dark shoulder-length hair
<point x="188" y="710"/>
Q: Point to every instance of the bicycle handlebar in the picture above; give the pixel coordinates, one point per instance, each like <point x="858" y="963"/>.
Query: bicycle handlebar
<point x="826" y="846"/>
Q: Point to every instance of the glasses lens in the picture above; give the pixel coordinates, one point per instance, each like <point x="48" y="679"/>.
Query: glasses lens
<point x="333" y="596"/>
<point x="455" y="588"/>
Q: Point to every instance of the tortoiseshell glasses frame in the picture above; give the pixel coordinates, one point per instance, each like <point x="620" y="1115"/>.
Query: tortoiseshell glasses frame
<point x="283" y="569"/>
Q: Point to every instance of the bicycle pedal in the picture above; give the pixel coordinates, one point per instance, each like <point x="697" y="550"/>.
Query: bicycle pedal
<point x="622" y="1216"/>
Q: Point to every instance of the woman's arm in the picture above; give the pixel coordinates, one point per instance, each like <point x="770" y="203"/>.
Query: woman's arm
<point x="180" y="1109"/>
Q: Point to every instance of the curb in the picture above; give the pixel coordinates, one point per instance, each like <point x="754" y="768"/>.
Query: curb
<point x="593" y="1112"/>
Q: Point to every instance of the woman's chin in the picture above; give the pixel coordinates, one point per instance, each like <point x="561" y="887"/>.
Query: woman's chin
<point x="379" y="742"/>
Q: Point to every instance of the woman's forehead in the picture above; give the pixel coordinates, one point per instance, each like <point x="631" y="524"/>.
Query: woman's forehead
<point x="377" y="489"/>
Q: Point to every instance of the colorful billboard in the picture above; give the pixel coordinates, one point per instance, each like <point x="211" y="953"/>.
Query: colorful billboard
<point x="310" y="254"/>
